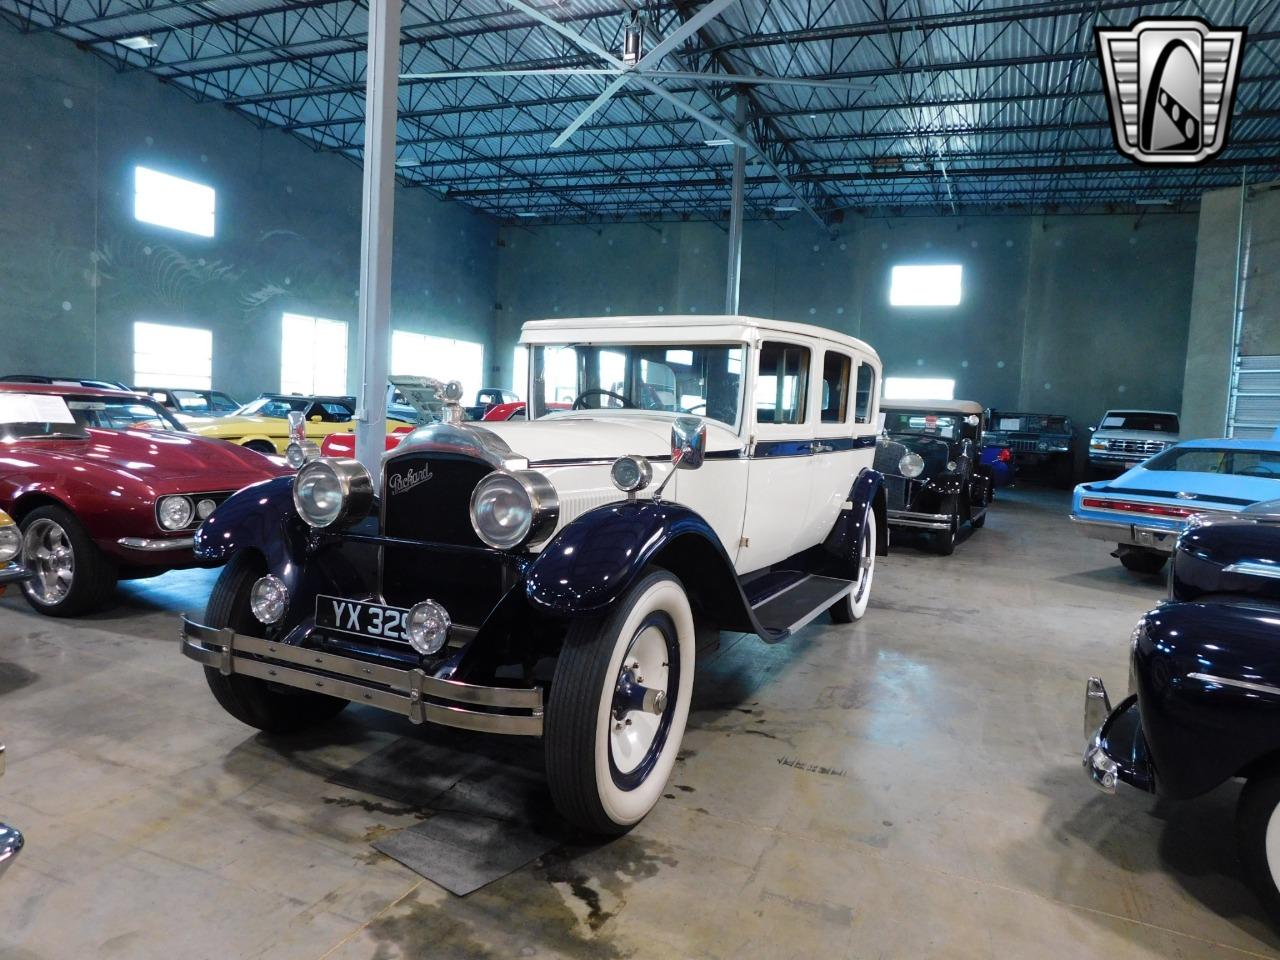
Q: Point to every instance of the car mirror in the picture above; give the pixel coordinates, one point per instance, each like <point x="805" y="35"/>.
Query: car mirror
<point x="688" y="442"/>
<point x="972" y="420"/>
<point x="316" y="418"/>
<point x="1091" y="429"/>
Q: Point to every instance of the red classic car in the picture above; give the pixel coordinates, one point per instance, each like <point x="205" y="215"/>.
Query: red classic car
<point x="105" y="486"/>
<point x="515" y="410"/>
<point x="343" y="445"/>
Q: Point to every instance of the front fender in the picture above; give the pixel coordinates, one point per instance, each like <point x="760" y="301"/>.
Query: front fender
<point x="261" y="518"/>
<point x="594" y="560"/>
<point x="867" y="498"/>
<point x="1207" y="691"/>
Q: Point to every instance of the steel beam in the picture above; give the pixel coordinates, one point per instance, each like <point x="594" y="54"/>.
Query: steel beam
<point x="733" y="279"/>
<point x="377" y="233"/>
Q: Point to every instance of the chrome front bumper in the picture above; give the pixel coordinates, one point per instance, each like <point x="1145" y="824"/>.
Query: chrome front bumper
<point x="1115" y="749"/>
<point x="409" y="693"/>
<point x="148" y="545"/>
<point x="919" y="521"/>
<point x="1128" y="534"/>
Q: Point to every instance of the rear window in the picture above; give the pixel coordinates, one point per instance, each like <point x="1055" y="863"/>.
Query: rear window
<point x="1243" y="463"/>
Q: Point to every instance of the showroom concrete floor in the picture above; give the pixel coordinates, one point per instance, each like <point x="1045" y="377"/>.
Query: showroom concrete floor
<point x="953" y="820"/>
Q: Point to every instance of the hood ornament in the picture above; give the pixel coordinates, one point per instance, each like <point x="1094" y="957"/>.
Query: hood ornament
<point x="1184" y="495"/>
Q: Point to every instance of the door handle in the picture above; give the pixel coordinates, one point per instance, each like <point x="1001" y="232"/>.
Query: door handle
<point x="819" y="447"/>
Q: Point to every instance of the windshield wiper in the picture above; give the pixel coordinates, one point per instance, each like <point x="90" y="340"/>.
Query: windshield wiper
<point x="53" y="436"/>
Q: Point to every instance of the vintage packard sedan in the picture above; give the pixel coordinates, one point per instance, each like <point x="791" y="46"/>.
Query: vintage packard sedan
<point x="930" y="457"/>
<point x="1203" y="699"/>
<point x="107" y="486"/>
<point x="548" y="577"/>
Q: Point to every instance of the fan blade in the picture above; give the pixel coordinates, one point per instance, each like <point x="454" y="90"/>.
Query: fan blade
<point x="755" y="78"/>
<point x="654" y="56"/>
<point x="546" y="72"/>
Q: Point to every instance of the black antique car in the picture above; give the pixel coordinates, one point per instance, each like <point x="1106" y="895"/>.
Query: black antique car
<point x="1039" y="441"/>
<point x="929" y="456"/>
<point x="1203" y="703"/>
<point x="11" y="572"/>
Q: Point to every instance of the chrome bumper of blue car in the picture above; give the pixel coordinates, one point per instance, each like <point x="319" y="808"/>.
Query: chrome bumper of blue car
<point x="409" y="693"/>
<point x="1129" y="534"/>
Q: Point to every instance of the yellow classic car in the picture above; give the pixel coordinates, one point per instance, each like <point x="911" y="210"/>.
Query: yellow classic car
<point x="263" y="425"/>
<point x="10" y="546"/>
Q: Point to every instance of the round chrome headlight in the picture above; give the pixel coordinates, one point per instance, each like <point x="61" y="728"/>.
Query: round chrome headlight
<point x="427" y="627"/>
<point x="509" y="510"/>
<point x="10" y="542"/>
<point x="951" y="465"/>
<point x="204" y="508"/>
<point x="911" y="465"/>
<point x="175" y="513"/>
<point x="327" y="493"/>
<point x="631" y="474"/>
<point x="268" y="599"/>
<point x="299" y="454"/>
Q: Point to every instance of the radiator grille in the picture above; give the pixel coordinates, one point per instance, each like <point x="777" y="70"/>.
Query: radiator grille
<point x="1142" y="447"/>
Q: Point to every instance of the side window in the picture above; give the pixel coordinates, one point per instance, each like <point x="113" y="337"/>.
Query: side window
<point x="782" y="383"/>
<point x="336" y="412"/>
<point x="835" y="387"/>
<point x="866" y="392"/>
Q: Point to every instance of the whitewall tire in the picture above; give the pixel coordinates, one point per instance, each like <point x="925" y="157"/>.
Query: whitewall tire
<point x="618" y="706"/>
<point x="853" y="605"/>
<point x="1258" y="837"/>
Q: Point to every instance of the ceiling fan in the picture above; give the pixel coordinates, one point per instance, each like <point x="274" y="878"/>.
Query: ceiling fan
<point x="644" y="70"/>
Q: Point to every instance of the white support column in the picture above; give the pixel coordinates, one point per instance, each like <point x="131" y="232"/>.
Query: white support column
<point x="377" y="220"/>
<point x="733" y="284"/>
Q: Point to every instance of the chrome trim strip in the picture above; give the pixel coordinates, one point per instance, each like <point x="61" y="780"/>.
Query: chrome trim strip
<point x="920" y="521"/>
<point x="156" y="546"/>
<point x="1230" y="682"/>
<point x="1252" y="568"/>
<point x="399" y="691"/>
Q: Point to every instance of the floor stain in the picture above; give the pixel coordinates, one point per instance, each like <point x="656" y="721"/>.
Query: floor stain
<point x="681" y="786"/>
<point x="761" y="733"/>
<point x="374" y="806"/>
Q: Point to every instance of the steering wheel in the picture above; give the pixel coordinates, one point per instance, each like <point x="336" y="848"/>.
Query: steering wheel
<point x="579" y="405"/>
<point x="1257" y="471"/>
<point x="703" y="405"/>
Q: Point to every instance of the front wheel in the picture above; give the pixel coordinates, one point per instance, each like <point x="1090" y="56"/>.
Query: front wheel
<point x="255" y="702"/>
<point x="853" y="604"/>
<point x="1258" y="837"/>
<point x="944" y="541"/>
<point x="618" y="705"/>
<point x="71" y="575"/>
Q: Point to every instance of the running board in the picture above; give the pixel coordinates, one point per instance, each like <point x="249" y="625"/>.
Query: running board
<point x="782" y="614"/>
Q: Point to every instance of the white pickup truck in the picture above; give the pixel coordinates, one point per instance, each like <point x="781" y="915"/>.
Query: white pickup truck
<point x="1124" y="438"/>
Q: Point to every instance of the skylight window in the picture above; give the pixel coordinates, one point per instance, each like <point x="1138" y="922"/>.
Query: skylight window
<point x="173" y="202"/>
<point x="925" y="285"/>
<point x="919" y="388"/>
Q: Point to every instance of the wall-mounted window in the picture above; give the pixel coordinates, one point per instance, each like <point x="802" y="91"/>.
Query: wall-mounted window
<point x="520" y="369"/>
<point x="313" y="355"/>
<point x="925" y="285"/>
<point x="919" y="388"/>
<point x="171" y="356"/>
<point x="173" y="202"/>
<point x="422" y="355"/>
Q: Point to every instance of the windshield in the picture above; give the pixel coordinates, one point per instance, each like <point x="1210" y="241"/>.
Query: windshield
<point x="701" y="379"/>
<point x="948" y="426"/>
<point x="1158" y="422"/>
<point x="26" y="416"/>
<point x="1244" y="463"/>
<point x="199" y="401"/>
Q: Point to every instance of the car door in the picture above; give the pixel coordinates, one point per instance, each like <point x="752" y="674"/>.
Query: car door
<point x="844" y="435"/>
<point x="779" y="480"/>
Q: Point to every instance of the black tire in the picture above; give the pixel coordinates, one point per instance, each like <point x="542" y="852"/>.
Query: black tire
<point x="255" y="702"/>
<point x="1143" y="561"/>
<point x="580" y="724"/>
<point x="1254" y="814"/>
<point x="979" y="522"/>
<point x="92" y="575"/>
<point x="944" y="541"/>
<point x="262" y="446"/>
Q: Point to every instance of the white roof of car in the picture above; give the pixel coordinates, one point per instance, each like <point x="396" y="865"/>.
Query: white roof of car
<point x="695" y="328"/>
<point x="933" y="406"/>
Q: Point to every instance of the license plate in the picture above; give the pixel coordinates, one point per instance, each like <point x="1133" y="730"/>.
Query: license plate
<point x="361" y="619"/>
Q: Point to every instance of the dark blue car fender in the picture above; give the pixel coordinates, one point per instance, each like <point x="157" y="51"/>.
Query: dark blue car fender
<point x="594" y="560"/>
<point x="1208" y="676"/>
<point x="866" y="498"/>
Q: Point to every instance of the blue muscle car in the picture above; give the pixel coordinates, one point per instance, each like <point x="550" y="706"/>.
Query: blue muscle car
<point x="1144" y="509"/>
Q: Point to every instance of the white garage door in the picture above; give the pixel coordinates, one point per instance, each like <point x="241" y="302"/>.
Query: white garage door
<point x="1255" y="398"/>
